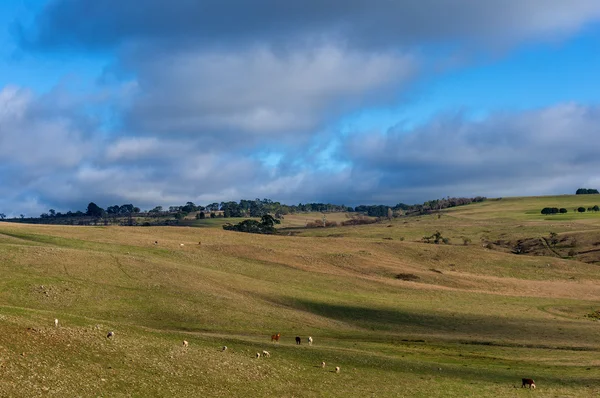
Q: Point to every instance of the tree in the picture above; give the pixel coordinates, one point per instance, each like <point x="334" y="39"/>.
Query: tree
<point x="52" y="212"/>
<point x="93" y="210"/>
<point x="581" y="209"/>
<point x="595" y="208"/>
<point x="562" y="210"/>
<point x="2" y="216"/>
<point x="586" y="191"/>
<point x="113" y="209"/>
<point x="269" y="221"/>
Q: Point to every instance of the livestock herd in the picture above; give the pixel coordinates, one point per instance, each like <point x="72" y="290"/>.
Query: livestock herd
<point x="526" y="382"/>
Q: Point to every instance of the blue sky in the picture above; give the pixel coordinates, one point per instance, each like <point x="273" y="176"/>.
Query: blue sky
<point x="346" y="101"/>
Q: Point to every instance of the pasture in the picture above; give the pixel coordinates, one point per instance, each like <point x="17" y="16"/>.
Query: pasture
<point x="398" y="316"/>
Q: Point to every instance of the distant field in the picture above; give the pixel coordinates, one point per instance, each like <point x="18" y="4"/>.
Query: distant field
<point x="400" y="317"/>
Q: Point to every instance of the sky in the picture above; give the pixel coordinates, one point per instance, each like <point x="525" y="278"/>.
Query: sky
<point x="343" y="101"/>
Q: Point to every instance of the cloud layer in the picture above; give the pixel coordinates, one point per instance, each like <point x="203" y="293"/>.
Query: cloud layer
<point x="368" y="24"/>
<point x="222" y="100"/>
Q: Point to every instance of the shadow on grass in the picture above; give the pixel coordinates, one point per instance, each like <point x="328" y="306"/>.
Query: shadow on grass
<point x="481" y="329"/>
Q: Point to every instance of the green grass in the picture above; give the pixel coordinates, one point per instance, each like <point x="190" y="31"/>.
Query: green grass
<point x="473" y="321"/>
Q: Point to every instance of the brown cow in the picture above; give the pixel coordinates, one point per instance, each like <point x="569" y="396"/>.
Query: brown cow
<point x="276" y="337"/>
<point x="528" y="382"/>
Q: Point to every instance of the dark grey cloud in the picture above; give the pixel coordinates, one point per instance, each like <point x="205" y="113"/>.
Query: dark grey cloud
<point x="81" y="24"/>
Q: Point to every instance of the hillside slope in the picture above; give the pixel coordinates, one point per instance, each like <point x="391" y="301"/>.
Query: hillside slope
<point x="400" y="317"/>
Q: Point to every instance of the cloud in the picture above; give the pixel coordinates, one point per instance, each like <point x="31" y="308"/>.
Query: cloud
<point x="239" y="97"/>
<point x="533" y="152"/>
<point x="75" y="24"/>
<point x="35" y="138"/>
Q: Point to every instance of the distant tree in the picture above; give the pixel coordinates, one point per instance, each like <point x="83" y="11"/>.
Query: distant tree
<point x="562" y="210"/>
<point x="126" y="209"/>
<point x="2" y="216"/>
<point x="157" y="209"/>
<point x="113" y="209"/>
<point x="595" y="208"/>
<point x="550" y="210"/>
<point x="52" y="212"/>
<point x="581" y="209"/>
<point x="180" y="215"/>
<point x="586" y="191"/>
<point x="269" y="221"/>
<point x="93" y="210"/>
<point x="22" y="216"/>
<point x="265" y="226"/>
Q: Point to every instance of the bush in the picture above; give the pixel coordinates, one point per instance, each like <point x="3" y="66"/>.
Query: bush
<point x="436" y="238"/>
<point x="581" y="209"/>
<point x="562" y="210"/>
<point x="359" y="220"/>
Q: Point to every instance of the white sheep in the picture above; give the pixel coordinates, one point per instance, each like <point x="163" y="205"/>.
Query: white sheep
<point x="110" y="334"/>
<point x="55" y="323"/>
<point x="337" y="369"/>
<point x="224" y="348"/>
<point x="181" y="245"/>
<point x="266" y="354"/>
<point x="310" y="340"/>
<point x="185" y="343"/>
<point x="323" y="364"/>
<point x="258" y="355"/>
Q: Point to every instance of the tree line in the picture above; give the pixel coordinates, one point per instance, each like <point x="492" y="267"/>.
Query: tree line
<point x="562" y="210"/>
<point x="125" y="214"/>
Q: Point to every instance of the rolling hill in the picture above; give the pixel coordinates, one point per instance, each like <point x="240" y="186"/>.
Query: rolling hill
<point x="399" y="317"/>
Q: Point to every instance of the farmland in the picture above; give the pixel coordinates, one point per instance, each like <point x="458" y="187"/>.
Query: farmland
<point x="399" y="316"/>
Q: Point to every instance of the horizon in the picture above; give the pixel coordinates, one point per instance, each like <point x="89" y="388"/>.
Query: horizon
<point x="338" y="102"/>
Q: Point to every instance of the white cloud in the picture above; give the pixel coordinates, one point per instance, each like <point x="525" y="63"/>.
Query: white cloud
<point x="259" y="93"/>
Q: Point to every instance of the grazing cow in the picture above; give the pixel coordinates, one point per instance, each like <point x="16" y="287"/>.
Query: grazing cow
<point x="298" y="340"/>
<point x="55" y="323"/>
<point x="337" y="369"/>
<point x="310" y="340"/>
<point x="266" y="354"/>
<point x="258" y="355"/>
<point x="185" y="343"/>
<point x="156" y="242"/>
<point x="276" y="337"/>
<point x="224" y="348"/>
<point x="323" y="364"/>
<point x="110" y="334"/>
<point x="528" y="382"/>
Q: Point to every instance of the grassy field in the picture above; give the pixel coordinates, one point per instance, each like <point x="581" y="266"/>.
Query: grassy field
<point x="400" y="317"/>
